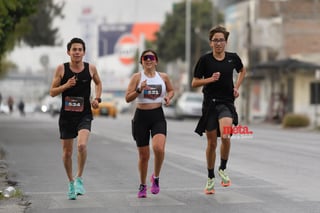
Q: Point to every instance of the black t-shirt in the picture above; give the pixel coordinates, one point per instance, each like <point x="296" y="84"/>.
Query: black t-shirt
<point x="223" y="88"/>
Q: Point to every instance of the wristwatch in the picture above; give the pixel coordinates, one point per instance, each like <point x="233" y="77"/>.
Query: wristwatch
<point x="98" y="99"/>
<point x="138" y="90"/>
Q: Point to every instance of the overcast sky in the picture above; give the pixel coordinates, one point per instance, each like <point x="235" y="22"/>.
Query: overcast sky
<point x="111" y="11"/>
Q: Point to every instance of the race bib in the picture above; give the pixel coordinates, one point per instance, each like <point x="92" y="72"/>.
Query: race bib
<point x="74" y="104"/>
<point x="152" y="91"/>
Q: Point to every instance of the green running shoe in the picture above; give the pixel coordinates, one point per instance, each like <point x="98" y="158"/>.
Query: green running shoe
<point x="79" y="186"/>
<point x="210" y="186"/>
<point x="71" y="193"/>
<point x="225" y="180"/>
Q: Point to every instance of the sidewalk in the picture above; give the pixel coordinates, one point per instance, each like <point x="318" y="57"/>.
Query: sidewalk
<point x="9" y="205"/>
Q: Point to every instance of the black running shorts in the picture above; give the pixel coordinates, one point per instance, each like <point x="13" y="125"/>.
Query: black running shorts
<point x="221" y="111"/>
<point x="69" y="127"/>
<point x="146" y="123"/>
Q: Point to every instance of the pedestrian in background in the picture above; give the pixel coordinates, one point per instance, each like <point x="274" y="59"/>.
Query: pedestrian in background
<point x="21" y="107"/>
<point x="10" y="103"/>
<point x="73" y="81"/>
<point x="214" y="71"/>
<point x="151" y="88"/>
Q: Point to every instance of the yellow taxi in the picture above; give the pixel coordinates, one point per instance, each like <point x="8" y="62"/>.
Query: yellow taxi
<point x="106" y="108"/>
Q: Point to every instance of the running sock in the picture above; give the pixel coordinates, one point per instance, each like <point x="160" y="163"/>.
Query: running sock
<point x="223" y="164"/>
<point x="210" y="173"/>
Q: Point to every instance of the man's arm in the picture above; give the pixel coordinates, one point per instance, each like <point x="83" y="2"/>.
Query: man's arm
<point x="241" y="76"/>
<point x="197" y="82"/>
<point x="56" y="88"/>
<point x="98" y="84"/>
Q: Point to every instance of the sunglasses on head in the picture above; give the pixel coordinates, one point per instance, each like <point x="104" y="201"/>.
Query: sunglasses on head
<point x="151" y="57"/>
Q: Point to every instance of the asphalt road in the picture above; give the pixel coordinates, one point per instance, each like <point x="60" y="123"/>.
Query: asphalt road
<point x="272" y="171"/>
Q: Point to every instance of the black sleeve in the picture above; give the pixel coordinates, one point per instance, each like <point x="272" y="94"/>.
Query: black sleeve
<point x="199" y="68"/>
<point x="238" y="62"/>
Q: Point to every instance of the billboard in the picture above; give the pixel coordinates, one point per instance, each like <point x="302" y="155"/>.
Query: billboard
<point x="118" y="45"/>
<point x="111" y="34"/>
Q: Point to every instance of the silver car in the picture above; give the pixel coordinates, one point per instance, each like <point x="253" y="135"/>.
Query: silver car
<point x="189" y="105"/>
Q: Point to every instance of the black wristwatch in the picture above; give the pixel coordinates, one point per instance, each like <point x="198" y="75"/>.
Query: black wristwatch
<point x="98" y="99"/>
<point x="138" y="90"/>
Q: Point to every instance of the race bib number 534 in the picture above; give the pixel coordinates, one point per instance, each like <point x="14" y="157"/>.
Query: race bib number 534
<point x="74" y="104"/>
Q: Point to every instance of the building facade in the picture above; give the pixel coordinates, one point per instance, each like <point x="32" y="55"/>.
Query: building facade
<point x="276" y="31"/>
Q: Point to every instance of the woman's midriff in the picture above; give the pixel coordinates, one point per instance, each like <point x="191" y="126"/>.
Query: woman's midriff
<point x="149" y="105"/>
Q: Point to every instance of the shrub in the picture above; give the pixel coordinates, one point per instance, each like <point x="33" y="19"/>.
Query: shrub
<point x="295" y="120"/>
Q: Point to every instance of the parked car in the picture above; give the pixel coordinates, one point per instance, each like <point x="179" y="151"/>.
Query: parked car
<point x="106" y="108"/>
<point x="189" y="105"/>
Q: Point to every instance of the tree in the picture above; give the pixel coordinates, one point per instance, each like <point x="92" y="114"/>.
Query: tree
<point x="41" y="31"/>
<point x="11" y="14"/>
<point x="29" y="21"/>
<point x="171" y="37"/>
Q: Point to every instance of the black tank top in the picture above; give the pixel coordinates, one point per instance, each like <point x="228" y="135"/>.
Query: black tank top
<point x="76" y="100"/>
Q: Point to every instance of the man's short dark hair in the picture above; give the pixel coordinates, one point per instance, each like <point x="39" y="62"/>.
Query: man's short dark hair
<point x="76" y="40"/>
<point x="219" y="29"/>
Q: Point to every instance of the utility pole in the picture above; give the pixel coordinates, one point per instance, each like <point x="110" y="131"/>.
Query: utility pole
<point x="247" y="80"/>
<point x="316" y="89"/>
<point x="188" y="43"/>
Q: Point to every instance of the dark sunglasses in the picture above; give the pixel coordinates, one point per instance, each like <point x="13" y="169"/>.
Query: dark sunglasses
<point x="151" y="57"/>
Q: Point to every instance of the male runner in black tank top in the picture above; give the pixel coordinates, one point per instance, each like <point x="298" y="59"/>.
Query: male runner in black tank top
<point x="73" y="81"/>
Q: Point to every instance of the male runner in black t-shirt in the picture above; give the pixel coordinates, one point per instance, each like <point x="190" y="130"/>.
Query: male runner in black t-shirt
<point x="214" y="71"/>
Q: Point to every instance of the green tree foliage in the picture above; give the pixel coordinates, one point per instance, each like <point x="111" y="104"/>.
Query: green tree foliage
<point x="29" y="21"/>
<point x="11" y="14"/>
<point x="171" y="37"/>
<point x="41" y="31"/>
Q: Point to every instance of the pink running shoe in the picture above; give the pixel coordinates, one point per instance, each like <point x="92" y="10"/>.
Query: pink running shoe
<point x="142" y="191"/>
<point x="155" y="188"/>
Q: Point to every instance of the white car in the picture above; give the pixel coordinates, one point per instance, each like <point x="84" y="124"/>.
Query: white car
<point x="189" y="105"/>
